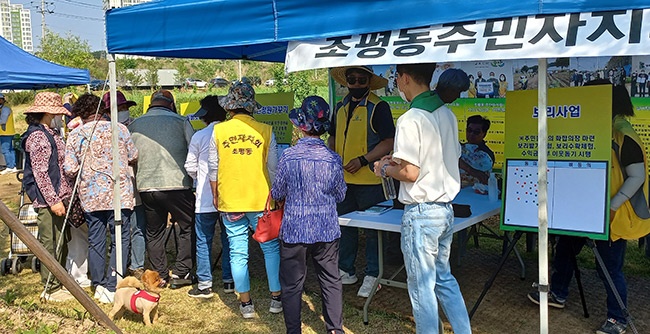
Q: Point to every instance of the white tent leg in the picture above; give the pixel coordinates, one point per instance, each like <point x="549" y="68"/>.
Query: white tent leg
<point x="542" y="212"/>
<point x="117" y="205"/>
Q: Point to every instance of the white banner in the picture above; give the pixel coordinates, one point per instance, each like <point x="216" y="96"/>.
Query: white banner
<point x="609" y="33"/>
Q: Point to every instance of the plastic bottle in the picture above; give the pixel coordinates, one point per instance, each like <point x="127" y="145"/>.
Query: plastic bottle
<point x="493" y="189"/>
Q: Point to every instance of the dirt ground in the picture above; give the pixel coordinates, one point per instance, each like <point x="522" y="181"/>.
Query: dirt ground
<point x="505" y="308"/>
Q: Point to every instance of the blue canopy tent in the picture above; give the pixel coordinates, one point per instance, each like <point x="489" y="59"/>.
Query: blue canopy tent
<point x="262" y="29"/>
<point x="21" y="70"/>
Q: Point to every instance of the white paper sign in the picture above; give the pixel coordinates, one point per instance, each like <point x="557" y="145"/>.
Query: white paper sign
<point x="607" y="33"/>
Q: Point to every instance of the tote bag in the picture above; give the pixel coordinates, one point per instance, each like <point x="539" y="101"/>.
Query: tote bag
<point x="268" y="225"/>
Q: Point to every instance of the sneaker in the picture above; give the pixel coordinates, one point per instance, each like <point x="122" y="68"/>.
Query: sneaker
<point x="57" y="296"/>
<point x="99" y="290"/>
<point x="107" y="297"/>
<point x="366" y="287"/>
<point x="276" y="306"/>
<point x="248" y="311"/>
<point x="346" y="278"/>
<point x="9" y="171"/>
<point x="84" y="283"/>
<point x="200" y="293"/>
<point x="176" y="282"/>
<point x="612" y="326"/>
<point x="228" y="287"/>
<point x="552" y="299"/>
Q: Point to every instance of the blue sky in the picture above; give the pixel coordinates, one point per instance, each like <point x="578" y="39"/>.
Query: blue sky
<point x="83" y="18"/>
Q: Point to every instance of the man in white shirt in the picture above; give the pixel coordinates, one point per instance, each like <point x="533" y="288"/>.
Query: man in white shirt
<point x="425" y="161"/>
<point x="206" y="216"/>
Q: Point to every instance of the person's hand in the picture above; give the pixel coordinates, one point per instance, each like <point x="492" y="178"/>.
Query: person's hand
<point x="353" y="166"/>
<point x="67" y="98"/>
<point x="611" y="215"/>
<point x="215" y="202"/>
<point x="58" y="209"/>
<point x="4" y="127"/>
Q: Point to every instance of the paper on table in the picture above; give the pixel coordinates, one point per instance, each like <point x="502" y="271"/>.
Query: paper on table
<point x="375" y="210"/>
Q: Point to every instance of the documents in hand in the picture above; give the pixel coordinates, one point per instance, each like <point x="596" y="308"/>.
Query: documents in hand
<point x="375" y="210"/>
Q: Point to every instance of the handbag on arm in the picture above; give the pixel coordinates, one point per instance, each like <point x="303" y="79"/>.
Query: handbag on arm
<point x="268" y="225"/>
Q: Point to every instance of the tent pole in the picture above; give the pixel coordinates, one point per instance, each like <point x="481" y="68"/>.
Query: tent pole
<point x="117" y="205"/>
<point x="542" y="211"/>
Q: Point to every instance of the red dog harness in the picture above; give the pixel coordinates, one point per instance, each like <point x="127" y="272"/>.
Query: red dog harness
<point x="142" y="294"/>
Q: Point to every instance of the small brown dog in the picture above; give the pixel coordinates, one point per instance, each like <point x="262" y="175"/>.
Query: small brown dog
<point x="139" y="296"/>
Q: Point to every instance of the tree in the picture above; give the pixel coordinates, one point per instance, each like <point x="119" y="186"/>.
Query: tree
<point x="152" y="73"/>
<point x="205" y="69"/>
<point x="70" y="50"/>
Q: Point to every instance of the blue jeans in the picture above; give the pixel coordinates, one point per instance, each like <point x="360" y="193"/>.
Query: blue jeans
<point x="426" y="244"/>
<point x="204" y="225"/>
<point x="613" y="255"/>
<point x="138" y="231"/>
<point x="359" y="197"/>
<point x="98" y="221"/>
<point x="8" y="151"/>
<point x="238" y="238"/>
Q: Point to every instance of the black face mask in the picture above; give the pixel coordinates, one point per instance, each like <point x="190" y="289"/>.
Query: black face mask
<point x="358" y="93"/>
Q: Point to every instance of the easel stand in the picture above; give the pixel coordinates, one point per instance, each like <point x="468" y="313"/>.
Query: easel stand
<point x="490" y="281"/>
<point x="599" y="259"/>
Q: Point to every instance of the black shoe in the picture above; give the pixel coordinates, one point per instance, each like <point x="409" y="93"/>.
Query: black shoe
<point x="177" y="282"/>
<point x="552" y="300"/>
<point x="229" y="287"/>
<point x="200" y="293"/>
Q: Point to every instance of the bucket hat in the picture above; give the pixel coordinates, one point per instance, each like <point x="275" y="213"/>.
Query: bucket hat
<point x="48" y="102"/>
<point x="241" y="95"/>
<point x="313" y="114"/>
<point x="121" y="99"/>
<point x="376" y="82"/>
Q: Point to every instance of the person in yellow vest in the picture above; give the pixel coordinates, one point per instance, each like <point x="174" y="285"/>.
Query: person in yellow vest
<point x="362" y="132"/>
<point x="7" y="132"/>
<point x="629" y="217"/>
<point x="242" y="163"/>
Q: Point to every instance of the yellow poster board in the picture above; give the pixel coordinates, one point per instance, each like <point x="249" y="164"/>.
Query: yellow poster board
<point x="579" y="148"/>
<point x="189" y="109"/>
<point x="275" y="112"/>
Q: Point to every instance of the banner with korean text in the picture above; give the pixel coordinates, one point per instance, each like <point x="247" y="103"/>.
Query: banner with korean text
<point x="606" y="33"/>
<point x="579" y="148"/>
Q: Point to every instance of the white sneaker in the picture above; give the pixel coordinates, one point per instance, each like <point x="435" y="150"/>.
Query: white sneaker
<point x="84" y="284"/>
<point x="366" y="287"/>
<point x="107" y="297"/>
<point x="346" y="278"/>
<point x="99" y="290"/>
<point x="9" y="170"/>
<point x="57" y="296"/>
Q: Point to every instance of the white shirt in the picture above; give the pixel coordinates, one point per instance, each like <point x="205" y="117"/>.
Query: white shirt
<point x="196" y="165"/>
<point x="429" y="140"/>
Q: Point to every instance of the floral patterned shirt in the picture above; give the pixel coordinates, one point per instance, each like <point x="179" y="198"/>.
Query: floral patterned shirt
<point x="96" y="182"/>
<point x="38" y="147"/>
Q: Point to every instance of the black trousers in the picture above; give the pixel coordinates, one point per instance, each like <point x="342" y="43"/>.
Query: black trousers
<point x="293" y="270"/>
<point x="158" y="205"/>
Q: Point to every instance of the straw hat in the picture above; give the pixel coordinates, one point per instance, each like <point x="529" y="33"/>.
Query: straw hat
<point x="48" y="102"/>
<point x="376" y="82"/>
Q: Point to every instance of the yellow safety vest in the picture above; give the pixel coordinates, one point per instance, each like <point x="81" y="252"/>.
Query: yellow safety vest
<point x="9" y="128"/>
<point x="632" y="219"/>
<point x="243" y="182"/>
<point x="354" y="138"/>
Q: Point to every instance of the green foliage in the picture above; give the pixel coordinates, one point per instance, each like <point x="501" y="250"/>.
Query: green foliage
<point x="17" y="98"/>
<point x="126" y="63"/>
<point x="40" y="328"/>
<point x="152" y="73"/>
<point x="298" y="82"/>
<point x="205" y="69"/>
<point x="9" y="297"/>
<point x="70" y="50"/>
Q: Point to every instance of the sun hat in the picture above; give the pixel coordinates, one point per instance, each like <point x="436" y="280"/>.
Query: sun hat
<point x="120" y="100"/>
<point x="376" y="82"/>
<point x="48" y="102"/>
<point x="313" y="114"/>
<point x="241" y="95"/>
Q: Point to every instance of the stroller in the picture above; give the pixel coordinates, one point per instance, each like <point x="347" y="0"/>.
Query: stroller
<point x="19" y="253"/>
